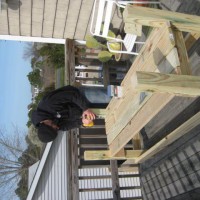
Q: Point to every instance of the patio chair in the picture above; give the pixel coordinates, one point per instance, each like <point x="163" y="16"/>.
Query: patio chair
<point x="103" y="15"/>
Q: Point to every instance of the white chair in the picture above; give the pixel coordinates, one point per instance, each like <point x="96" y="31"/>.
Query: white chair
<point x="103" y="15"/>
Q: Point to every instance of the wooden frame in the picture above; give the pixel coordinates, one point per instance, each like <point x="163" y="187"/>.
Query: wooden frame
<point x="126" y="116"/>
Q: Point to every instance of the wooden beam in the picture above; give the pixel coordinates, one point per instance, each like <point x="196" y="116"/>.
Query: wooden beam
<point x="184" y="67"/>
<point x="136" y="142"/>
<point x="128" y="164"/>
<point x="155" y="103"/>
<point x="69" y="62"/>
<point x="173" y="136"/>
<point x="159" y="41"/>
<point x="133" y="103"/>
<point x="119" y="118"/>
<point x="156" y="18"/>
<point x="140" y="119"/>
<point x="157" y="46"/>
<point x="172" y="58"/>
<point x="167" y="83"/>
<point x="105" y="155"/>
<point x="135" y="29"/>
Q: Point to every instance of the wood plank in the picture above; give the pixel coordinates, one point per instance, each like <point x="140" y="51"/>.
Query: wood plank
<point x="128" y="164"/>
<point x="136" y="142"/>
<point x="105" y="155"/>
<point x="182" y="52"/>
<point x="69" y="62"/>
<point x="156" y="18"/>
<point x="121" y="153"/>
<point x="132" y="103"/>
<point x="157" y="46"/>
<point x="142" y="117"/>
<point x="173" y="136"/>
<point x="170" y="83"/>
<point x="173" y="58"/>
<point x="158" y="41"/>
<point x="135" y="29"/>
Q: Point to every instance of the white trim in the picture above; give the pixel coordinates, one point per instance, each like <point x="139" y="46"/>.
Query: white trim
<point x="39" y="171"/>
<point x="80" y="42"/>
<point x="32" y="39"/>
<point x="92" y="85"/>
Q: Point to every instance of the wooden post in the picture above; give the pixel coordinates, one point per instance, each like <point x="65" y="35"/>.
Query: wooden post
<point x="115" y="180"/>
<point x="69" y="62"/>
<point x="105" y="155"/>
<point x="184" y="67"/>
<point x="170" y="83"/>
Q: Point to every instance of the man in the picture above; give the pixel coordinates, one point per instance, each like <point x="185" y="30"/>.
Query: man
<point x="61" y="109"/>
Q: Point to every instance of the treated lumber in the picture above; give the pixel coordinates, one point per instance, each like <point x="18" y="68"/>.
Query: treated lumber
<point x="129" y="111"/>
<point x="105" y="155"/>
<point x="172" y="60"/>
<point x="173" y="136"/>
<point x="184" y="67"/>
<point x="157" y="46"/>
<point x="118" y="109"/>
<point x="128" y="164"/>
<point x="141" y="118"/>
<point x="135" y="29"/>
<point x="159" y="41"/>
<point x="151" y="107"/>
<point x="137" y="142"/>
<point x="170" y="83"/>
<point x="156" y="18"/>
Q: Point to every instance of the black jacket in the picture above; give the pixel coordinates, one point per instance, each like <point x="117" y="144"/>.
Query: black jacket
<point x="64" y="106"/>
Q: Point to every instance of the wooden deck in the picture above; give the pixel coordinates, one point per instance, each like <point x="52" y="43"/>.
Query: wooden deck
<point x="173" y="173"/>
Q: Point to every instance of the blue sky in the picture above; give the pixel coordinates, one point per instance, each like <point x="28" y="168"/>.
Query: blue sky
<point x="15" y="89"/>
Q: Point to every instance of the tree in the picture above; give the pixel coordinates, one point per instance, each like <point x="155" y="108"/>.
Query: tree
<point x="32" y="136"/>
<point x="34" y="78"/>
<point x="55" y="54"/>
<point x="31" y="51"/>
<point x="15" y="159"/>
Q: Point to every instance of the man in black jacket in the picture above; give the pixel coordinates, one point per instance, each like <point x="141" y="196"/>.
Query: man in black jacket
<point x="62" y="109"/>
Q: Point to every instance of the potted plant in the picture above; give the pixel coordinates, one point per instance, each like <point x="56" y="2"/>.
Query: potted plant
<point x="104" y="55"/>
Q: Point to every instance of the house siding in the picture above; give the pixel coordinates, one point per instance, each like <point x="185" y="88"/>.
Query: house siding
<point x="53" y="180"/>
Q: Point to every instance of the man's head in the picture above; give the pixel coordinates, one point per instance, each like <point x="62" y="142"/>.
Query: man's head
<point x="47" y="131"/>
